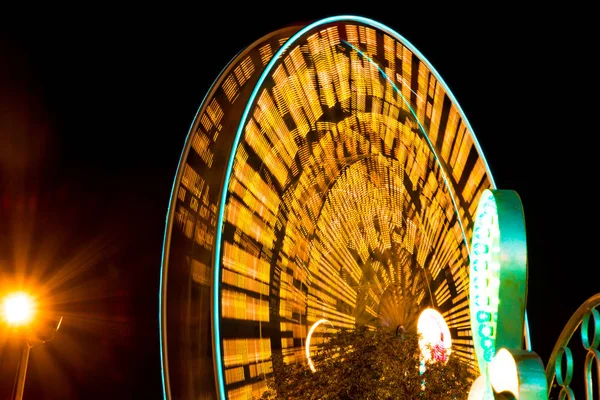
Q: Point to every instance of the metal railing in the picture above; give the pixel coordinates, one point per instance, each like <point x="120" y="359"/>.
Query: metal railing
<point x="585" y="315"/>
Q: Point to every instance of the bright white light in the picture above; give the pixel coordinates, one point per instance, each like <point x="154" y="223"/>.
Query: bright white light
<point x="503" y="373"/>
<point x="307" y="347"/>
<point x="477" y="391"/>
<point x="435" y="341"/>
<point x="18" y="308"/>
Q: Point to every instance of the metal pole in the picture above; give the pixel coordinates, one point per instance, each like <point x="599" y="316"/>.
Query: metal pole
<point x="19" y="386"/>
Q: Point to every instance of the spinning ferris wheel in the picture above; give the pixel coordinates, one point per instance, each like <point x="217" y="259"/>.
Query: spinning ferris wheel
<point x="329" y="174"/>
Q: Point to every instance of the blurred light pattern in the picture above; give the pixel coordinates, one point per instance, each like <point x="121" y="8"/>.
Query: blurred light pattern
<point x="434" y="341"/>
<point x="312" y="329"/>
<point x="349" y="197"/>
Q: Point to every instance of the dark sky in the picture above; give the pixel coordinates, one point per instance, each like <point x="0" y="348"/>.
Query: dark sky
<point x="95" y="108"/>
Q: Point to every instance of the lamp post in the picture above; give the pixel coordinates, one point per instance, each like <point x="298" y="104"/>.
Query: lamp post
<point x="19" y="385"/>
<point x="19" y="311"/>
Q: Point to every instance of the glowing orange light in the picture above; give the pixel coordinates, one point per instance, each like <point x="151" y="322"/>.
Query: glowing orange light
<point x="307" y="348"/>
<point x="18" y="308"/>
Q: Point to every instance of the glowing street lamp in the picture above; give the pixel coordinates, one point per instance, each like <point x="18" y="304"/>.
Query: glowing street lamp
<point x="19" y="310"/>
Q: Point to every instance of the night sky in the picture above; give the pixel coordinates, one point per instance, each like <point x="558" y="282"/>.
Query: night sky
<point x="95" y="109"/>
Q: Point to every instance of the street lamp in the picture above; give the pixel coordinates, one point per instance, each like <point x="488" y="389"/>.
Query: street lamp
<point x="19" y="310"/>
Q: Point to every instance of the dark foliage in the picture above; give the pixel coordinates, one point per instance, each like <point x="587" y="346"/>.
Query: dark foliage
<point x="365" y="364"/>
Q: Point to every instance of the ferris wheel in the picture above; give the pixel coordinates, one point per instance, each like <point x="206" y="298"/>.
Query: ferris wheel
<point x="329" y="174"/>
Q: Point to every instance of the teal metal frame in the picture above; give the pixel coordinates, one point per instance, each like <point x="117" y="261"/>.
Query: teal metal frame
<point x="585" y="315"/>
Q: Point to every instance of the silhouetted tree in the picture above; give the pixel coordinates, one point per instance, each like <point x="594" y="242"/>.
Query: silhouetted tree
<point x="365" y="364"/>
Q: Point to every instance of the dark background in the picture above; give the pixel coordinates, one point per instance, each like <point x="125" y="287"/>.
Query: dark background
<point x="94" y="110"/>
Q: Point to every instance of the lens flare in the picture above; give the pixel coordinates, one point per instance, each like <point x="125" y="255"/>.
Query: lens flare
<point x="18" y="308"/>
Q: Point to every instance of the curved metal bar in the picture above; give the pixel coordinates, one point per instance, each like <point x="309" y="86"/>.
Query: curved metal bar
<point x="560" y="379"/>
<point x="518" y="372"/>
<point x="592" y="355"/>
<point x="566" y="393"/>
<point x="584" y="312"/>
<point x="498" y="270"/>
<point x="526" y="335"/>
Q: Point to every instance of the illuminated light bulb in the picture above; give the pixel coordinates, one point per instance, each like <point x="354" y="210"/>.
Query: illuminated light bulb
<point x="478" y="389"/>
<point x="503" y="373"/>
<point x="480" y="249"/>
<point x="18" y="308"/>
<point x="489" y="353"/>
<point x="484" y="316"/>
